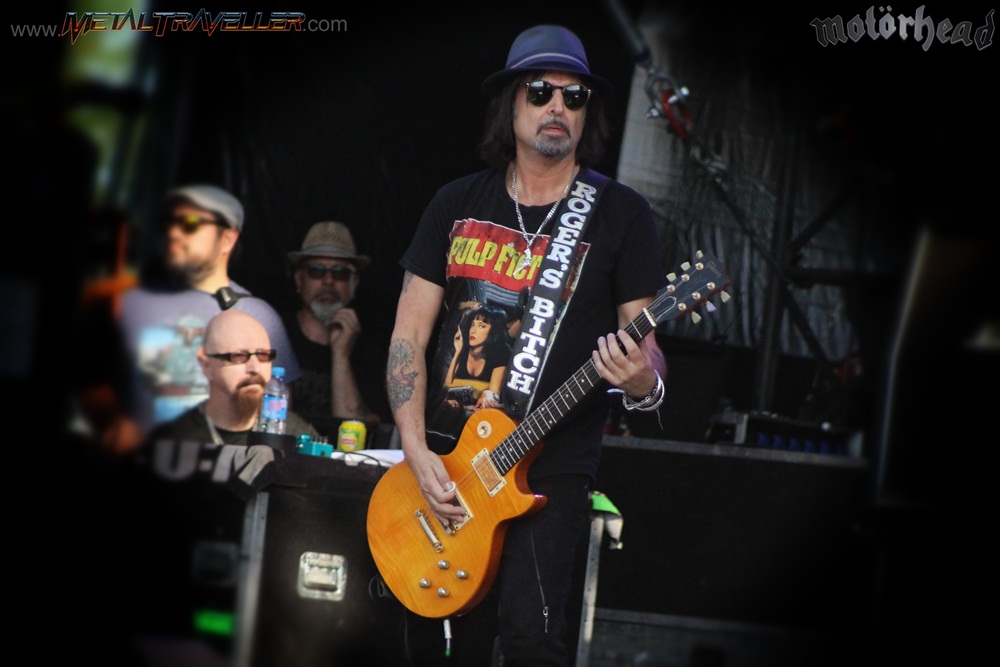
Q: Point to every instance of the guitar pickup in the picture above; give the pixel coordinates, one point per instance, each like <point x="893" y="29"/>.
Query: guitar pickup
<point x="488" y="474"/>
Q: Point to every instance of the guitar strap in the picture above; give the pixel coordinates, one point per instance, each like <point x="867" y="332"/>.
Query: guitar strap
<point x="544" y="307"/>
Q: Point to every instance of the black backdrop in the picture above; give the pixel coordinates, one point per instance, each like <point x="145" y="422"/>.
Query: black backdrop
<point x="361" y="125"/>
<point x="364" y="125"/>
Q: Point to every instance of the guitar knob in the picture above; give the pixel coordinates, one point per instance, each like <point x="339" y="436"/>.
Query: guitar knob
<point x="424" y="583"/>
<point x="443" y="592"/>
<point x="443" y="565"/>
<point x="462" y="574"/>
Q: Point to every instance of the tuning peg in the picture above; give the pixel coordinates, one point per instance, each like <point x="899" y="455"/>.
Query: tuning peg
<point x="710" y="307"/>
<point x="695" y="317"/>
<point x="699" y="254"/>
<point x="671" y="276"/>
<point x="724" y="295"/>
<point x="686" y="265"/>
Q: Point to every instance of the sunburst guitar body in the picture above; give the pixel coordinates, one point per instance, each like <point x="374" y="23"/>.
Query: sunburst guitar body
<point x="437" y="570"/>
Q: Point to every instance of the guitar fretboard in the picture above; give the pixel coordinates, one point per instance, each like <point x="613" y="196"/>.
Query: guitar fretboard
<point x="672" y="302"/>
<point x="542" y="420"/>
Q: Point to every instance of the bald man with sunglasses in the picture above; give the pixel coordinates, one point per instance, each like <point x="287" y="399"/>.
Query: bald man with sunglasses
<point x="236" y="358"/>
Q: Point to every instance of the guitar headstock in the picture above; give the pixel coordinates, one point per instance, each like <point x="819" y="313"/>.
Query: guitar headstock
<point x="693" y="288"/>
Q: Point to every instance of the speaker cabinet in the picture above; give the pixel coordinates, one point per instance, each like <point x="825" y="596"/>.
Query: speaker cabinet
<point x="312" y="595"/>
<point x="735" y="535"/>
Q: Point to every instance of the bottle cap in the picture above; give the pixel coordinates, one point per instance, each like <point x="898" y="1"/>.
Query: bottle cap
<point x="278" y="372"/>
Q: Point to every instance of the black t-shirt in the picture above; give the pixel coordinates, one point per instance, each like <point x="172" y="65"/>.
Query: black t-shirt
<point x="311" y="393"/>
<point x="468" y="241"/>
<point x="192" y="425"/>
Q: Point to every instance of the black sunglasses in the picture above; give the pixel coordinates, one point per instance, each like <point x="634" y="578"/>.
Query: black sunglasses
<point x="338" y="271"/>
<point x="242" y="357"/>
<point x="191" y="223"/>
<point x="575" y="95"/>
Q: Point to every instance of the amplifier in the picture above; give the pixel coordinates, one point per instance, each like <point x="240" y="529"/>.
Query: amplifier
<point x="734" y="533"/>
<point x="254" y="556"/>
<point x="310" y="594"/>
<point x="770" y="431"/>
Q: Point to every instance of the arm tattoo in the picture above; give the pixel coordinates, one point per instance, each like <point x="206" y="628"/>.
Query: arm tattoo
<point x="400" y="377"/>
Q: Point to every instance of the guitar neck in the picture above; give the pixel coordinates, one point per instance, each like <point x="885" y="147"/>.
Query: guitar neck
<point x="706" y="278"/>
<point x="542" y="420"/>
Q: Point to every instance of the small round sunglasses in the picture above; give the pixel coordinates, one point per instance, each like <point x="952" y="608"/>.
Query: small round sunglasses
<point x="575" y="95"/>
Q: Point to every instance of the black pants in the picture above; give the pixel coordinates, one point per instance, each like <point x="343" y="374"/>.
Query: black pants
<point x="524" y="615"/>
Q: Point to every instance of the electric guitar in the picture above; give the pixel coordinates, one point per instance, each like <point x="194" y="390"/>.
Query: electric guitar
<point x="437" y="570"/>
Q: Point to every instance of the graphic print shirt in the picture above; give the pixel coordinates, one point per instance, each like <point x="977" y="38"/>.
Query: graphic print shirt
<point x="162" y="331"/>
<point x="468" y="241"/>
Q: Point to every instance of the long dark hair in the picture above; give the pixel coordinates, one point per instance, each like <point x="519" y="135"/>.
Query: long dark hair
<point x="497" y="147"/>
<point x="495" y="347"/>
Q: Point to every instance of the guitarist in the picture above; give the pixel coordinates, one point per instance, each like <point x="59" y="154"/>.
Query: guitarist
<point x="482" y="239"/>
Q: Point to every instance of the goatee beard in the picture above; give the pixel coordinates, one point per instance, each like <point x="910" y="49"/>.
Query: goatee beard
<point x="549" y="146"/>
<point x="246" y="406"/>
<point x="325" y="310"/>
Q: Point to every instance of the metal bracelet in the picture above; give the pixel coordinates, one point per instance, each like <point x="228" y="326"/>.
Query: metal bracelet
<point x="650" y="402"/>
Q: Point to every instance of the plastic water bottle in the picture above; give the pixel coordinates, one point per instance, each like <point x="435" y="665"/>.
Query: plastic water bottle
<point x="274" y="408"/>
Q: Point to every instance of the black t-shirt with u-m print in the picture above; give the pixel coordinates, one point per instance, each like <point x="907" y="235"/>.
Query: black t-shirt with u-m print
<point x="468" y="241"/>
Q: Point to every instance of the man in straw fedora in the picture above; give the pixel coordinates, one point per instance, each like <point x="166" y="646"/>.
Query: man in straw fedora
<point x="326" y="331"/>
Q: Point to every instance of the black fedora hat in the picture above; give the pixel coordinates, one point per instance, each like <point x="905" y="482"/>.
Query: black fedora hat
<point x="547" y="47"/>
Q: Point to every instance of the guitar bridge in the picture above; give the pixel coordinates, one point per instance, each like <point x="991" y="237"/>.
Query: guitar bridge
<point x="421" y="517"/>
<point x="488" y="474"/>
<point x="452" y="525"/>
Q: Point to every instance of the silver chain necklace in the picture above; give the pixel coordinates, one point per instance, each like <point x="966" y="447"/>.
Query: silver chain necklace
<point x="526" y="259"/>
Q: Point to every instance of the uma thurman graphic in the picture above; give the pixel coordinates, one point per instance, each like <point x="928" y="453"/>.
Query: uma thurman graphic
<point x="475" y="374"/>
